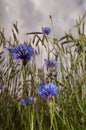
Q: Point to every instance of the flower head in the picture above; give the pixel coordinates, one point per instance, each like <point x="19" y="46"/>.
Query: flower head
<point x="42" y="84"/>
<point x="46" y="30"/>
<point x="55" y="75"/>
<point x="0" y="86"/>
<point x="50" y="63"/>
<point x="23" y="102"/>
<point x="22" y="52"/>
<point x="30" y="99"/>
<point x="78" y="49"/>
<point x="47" y="90"/>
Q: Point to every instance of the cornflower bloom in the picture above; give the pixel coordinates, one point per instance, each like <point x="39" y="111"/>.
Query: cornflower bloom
<point x="22" y="52"/>
<point x="30" y="99"/>
<point x="50" y="63"/>
<point x="23" y="102"/>
<point x="78" y="49"/>
<point x="0" y="86"/>
<point x="47" y="91"/>
<point x="46" y="30"/>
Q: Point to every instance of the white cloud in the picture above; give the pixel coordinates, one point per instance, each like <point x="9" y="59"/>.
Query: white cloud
<point x="32" y="14"/>
<point x="64" y="12"/>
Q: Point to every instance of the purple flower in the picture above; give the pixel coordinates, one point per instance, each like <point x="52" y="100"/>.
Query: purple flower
<point x="50" y="63"/>
<point x="23" y="102"/>
<point x="55" y="75"/>
<point x="30" y="99"/>
<point x="78" y="49"/>
<point x="0" y="86"/>
<point x="47" y="90"/>
<point x="22" y="52"/>
<point x="42" y="84"/>
<point x="46" y="30"/>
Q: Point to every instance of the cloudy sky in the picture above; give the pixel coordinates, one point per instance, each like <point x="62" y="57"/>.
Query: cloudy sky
<point x="33" y="14"/>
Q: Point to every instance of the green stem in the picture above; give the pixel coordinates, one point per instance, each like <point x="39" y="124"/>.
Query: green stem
<point x="32" y="118"/>
<point x="51" y="104"/>
<point x="25" y="89"/>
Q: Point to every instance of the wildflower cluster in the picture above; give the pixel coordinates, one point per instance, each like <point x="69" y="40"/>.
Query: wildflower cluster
<point x="24" y="102"/>
<point x="48" y="90"/>
<point x="25" y="52"/>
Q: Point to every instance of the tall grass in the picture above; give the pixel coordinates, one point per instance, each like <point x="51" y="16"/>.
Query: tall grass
<point x="67" y="109"/>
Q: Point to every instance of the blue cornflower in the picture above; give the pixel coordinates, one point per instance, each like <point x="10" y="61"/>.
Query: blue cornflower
<point x="30" y="99"/>
<point x="78" y="49"/>
<point x="48" y="90"/>
<point x="0" y="86"/>
<point x="55" y="75"/>
<point x="23" y="102"/>
<point x="50" y="63"/>
<point x="22" y="52"/>
<point x="42" y="84"/>
<point x="46" y="30"/>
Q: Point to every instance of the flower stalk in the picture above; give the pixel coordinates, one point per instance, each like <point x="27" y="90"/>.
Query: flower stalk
<point x="52" y="116"/>
<point x="25" y="88"/>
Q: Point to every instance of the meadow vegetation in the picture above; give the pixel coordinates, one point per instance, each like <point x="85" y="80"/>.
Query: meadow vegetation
<point x="43" y="79"/>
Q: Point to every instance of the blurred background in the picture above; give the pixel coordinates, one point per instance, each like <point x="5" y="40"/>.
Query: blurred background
<point x="33" y="14"/>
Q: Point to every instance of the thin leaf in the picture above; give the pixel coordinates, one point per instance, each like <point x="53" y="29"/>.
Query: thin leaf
<point x="31" y="33"/>
<point x="16" y="28"/>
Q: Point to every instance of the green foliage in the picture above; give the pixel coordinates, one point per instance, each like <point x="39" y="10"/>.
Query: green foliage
<point x="67" y="110"/>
